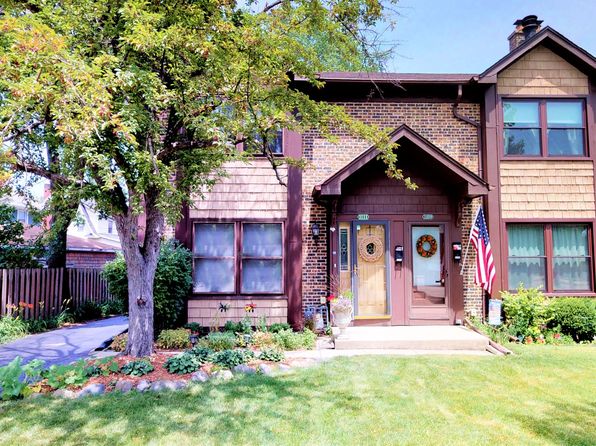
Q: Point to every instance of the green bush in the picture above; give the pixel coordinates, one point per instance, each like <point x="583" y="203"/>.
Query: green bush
<point x="138" y="367"/>
<point x="173" y="339"/>
<point x="173" y="281"/>
<point x="525" y="312"/>
<point x="113" y="307"/>
<point x="219" y="341"/>
<point x="12" y="328"/>
<point x="41" y="325"/>
<point x="232" y="358"/>
<point x="16" y="252"/>
<point x="272" y="354"/>
<point x="262" y="339"/>
<point x="61" y="376"/>
<point x="119" y="342"/>
<point x="194" y="327"/>
<point x="203" y="354"/>
<point x="182" y="364"/>
<point x="289" y="340"/>
<point x="575" y="317"/>
<point x="243" y="326"/>
<point x="16" y="378"/>
<point x="88" y="311"/>
<point x="279" y="326"/>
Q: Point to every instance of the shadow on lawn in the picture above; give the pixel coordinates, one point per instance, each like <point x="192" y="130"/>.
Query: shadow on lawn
<point x="569" y="424"/>
<point x="212" y="410"/>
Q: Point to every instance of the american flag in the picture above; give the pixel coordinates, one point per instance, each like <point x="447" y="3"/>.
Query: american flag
<point x="485" y="263"/>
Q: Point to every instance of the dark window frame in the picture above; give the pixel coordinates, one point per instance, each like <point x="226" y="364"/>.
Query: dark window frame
<point x="279" y="134"/>
<point x="543" y="127"/>
<point x="238" y="225"/>
<point x="547" y="228"/>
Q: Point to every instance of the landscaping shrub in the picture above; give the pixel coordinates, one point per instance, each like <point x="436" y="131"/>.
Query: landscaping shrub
<point x="243" y="326"/>
<point x="262" y="339"/>
<point x="88" y="311"/>
<point x="194" y="327"/>
<point x="272" y="354"/>
<point x="232" y="358"/>
<point x="41" y="325"/>
<point x="101" y="367"/>
<point x="119" y="342"/>
<point x="575" y="317"/>
<point x="12" y="328"/>
<point x="173" y="281"/>
<point x="217" y="341"/>
<point x="525" y="312"/>
<point x="61" y="376"/>
<point x="16" y="379"/>
<point x="203" y="354"/>
<point x="182" y="364"/>
<point x="279" y="326"/>
<point x="113" y="307"/>
<point x="289" y="340"/>
<point x="138" y="367"/>
<point x="173" y="339"/>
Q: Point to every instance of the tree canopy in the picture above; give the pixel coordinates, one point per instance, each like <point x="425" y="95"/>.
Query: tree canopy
<point x="144" y="102"/>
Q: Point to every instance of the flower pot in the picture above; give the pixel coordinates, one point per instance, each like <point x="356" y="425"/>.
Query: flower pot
<point x="342" y="318"/>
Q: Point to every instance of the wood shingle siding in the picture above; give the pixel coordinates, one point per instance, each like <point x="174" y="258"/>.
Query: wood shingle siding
<point x="541" y="72"/>
<point x="250" y="191"/>
<point x="207" y="313"/>
<point x="547" y="189"/>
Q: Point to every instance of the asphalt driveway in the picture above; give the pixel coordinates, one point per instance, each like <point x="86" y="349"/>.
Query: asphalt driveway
<point x="64" y="345"/>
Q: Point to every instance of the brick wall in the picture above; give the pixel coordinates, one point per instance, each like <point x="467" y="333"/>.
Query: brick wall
<point x="547" y="189"/>
<point x="541" y="72"/>
<point x="434" y="121"/>
<point x="88" y="259"/>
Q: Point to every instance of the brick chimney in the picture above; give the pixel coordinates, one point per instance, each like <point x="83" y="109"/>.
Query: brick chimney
<point x="524" y="29"/>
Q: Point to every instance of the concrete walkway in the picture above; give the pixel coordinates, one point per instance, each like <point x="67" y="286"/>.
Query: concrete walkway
<point x="64" y="345"/>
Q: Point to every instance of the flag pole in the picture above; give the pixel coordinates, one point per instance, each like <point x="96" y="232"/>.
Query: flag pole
<point x="463" y="262"/>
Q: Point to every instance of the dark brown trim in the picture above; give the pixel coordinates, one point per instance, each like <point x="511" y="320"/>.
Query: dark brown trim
<point x="554" y="41"/>
<point x="332" y="186"/>
<point x="372" y="77"/>
<point x="293" y="149"/>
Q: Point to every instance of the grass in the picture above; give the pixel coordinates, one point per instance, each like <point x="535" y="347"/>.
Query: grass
<point x="542" y="395"/>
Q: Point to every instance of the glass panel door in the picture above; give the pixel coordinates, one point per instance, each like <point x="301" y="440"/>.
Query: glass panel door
<point x="428" y="266"/>
<point x="371" y="269"/>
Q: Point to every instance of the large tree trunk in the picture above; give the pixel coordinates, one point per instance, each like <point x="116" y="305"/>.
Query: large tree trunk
<point x="141" y="264"/>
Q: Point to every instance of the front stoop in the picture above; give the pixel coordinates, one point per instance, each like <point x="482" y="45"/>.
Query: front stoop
<point x="430" y="337"/>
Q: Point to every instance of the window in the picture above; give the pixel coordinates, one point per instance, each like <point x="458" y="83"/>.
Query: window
<point x="110" y="226"/>
<point x="544" y="127"/>
<point x="553" y="257"/>
<point x="232" y="258"/>
<point x="274" y="142"/>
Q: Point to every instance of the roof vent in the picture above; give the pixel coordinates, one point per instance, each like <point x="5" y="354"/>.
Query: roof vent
<point x="524" y="30"/>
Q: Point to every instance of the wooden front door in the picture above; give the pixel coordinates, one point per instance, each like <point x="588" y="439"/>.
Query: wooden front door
<point x="370" y="268"/>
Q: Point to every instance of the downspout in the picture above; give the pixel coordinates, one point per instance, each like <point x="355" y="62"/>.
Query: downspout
<point x="470" y="121"/>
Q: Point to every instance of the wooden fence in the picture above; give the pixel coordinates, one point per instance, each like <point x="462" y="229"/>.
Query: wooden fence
<point x="42" y="293"/>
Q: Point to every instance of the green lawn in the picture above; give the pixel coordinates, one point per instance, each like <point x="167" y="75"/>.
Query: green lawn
<point x="542" y="395"/>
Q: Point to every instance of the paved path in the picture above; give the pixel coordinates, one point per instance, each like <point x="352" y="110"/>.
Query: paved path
<point x="64" y="345"/>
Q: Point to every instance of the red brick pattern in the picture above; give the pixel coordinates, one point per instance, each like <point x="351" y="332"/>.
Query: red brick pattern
<point x="88" y="259"/>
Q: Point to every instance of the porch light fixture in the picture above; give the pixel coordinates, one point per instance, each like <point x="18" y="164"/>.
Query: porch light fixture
<point x="316" y="231"/>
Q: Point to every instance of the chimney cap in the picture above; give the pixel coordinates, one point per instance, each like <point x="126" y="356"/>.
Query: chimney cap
<point x="527" y="20"/>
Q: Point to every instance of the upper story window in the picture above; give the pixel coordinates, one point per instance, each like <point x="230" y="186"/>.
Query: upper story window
<point x="274" y="142"/>
<point x="544" y="127"/>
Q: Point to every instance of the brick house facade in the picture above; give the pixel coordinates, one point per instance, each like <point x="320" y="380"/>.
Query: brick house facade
<point x="518" y="140"/>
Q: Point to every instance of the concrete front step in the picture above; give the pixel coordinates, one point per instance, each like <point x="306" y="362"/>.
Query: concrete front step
<point x="430" y="337"/>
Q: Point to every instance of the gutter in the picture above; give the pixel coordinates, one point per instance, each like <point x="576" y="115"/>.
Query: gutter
<point x="470" y="121"/>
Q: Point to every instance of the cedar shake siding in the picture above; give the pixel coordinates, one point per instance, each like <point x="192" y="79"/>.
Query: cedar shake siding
<point x="547" y="189"/>
<point x="542" y="73"/>
<point x="208" y="314"/>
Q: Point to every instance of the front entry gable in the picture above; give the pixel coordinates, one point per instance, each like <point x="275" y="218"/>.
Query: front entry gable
<point x="473" y="185"/>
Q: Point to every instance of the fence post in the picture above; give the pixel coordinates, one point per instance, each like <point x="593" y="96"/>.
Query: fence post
<point x="3" y="291"/>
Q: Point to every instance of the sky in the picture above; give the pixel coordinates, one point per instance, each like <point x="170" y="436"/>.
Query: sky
<point x="468" y="36"/>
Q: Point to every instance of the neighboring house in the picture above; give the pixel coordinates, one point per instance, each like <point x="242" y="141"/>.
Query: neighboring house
<point x="518" y="139"/>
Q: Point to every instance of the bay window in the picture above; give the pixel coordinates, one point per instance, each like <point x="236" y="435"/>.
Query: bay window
<point x="238" y="258"/>
<point x="552" y="257"/>
<point x="547" y="128"/>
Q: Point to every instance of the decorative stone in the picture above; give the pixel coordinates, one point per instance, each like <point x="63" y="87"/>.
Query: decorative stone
<point x="92" y="390"/>
<point x="65" y="393"/>
<point x="224" y="375"/>
<point x="265" y="369"/>
<point x="199" y="377"/>
<point x="245" y="369"/>
<point x="181" y="384"/>
<point x="124" y="386"/>
<point x="159" y="386"/>
<point x="143" y="385"/>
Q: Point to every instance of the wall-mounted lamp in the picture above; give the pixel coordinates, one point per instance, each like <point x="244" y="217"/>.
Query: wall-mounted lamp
<point x="316" y="231"/>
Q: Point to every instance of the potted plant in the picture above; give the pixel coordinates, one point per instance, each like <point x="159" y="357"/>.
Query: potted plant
<point x="342" y="310"/>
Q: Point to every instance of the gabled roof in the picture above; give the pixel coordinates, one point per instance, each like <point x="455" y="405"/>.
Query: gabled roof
<point x="476" y="186"/>
<point x="551" y="39"/>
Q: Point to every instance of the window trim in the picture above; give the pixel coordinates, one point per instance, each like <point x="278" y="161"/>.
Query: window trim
<point x="275" y="155"/>
<point x="547" y="226"/>
<point x="543" y="126"/>
<point x="238" y="234"/>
